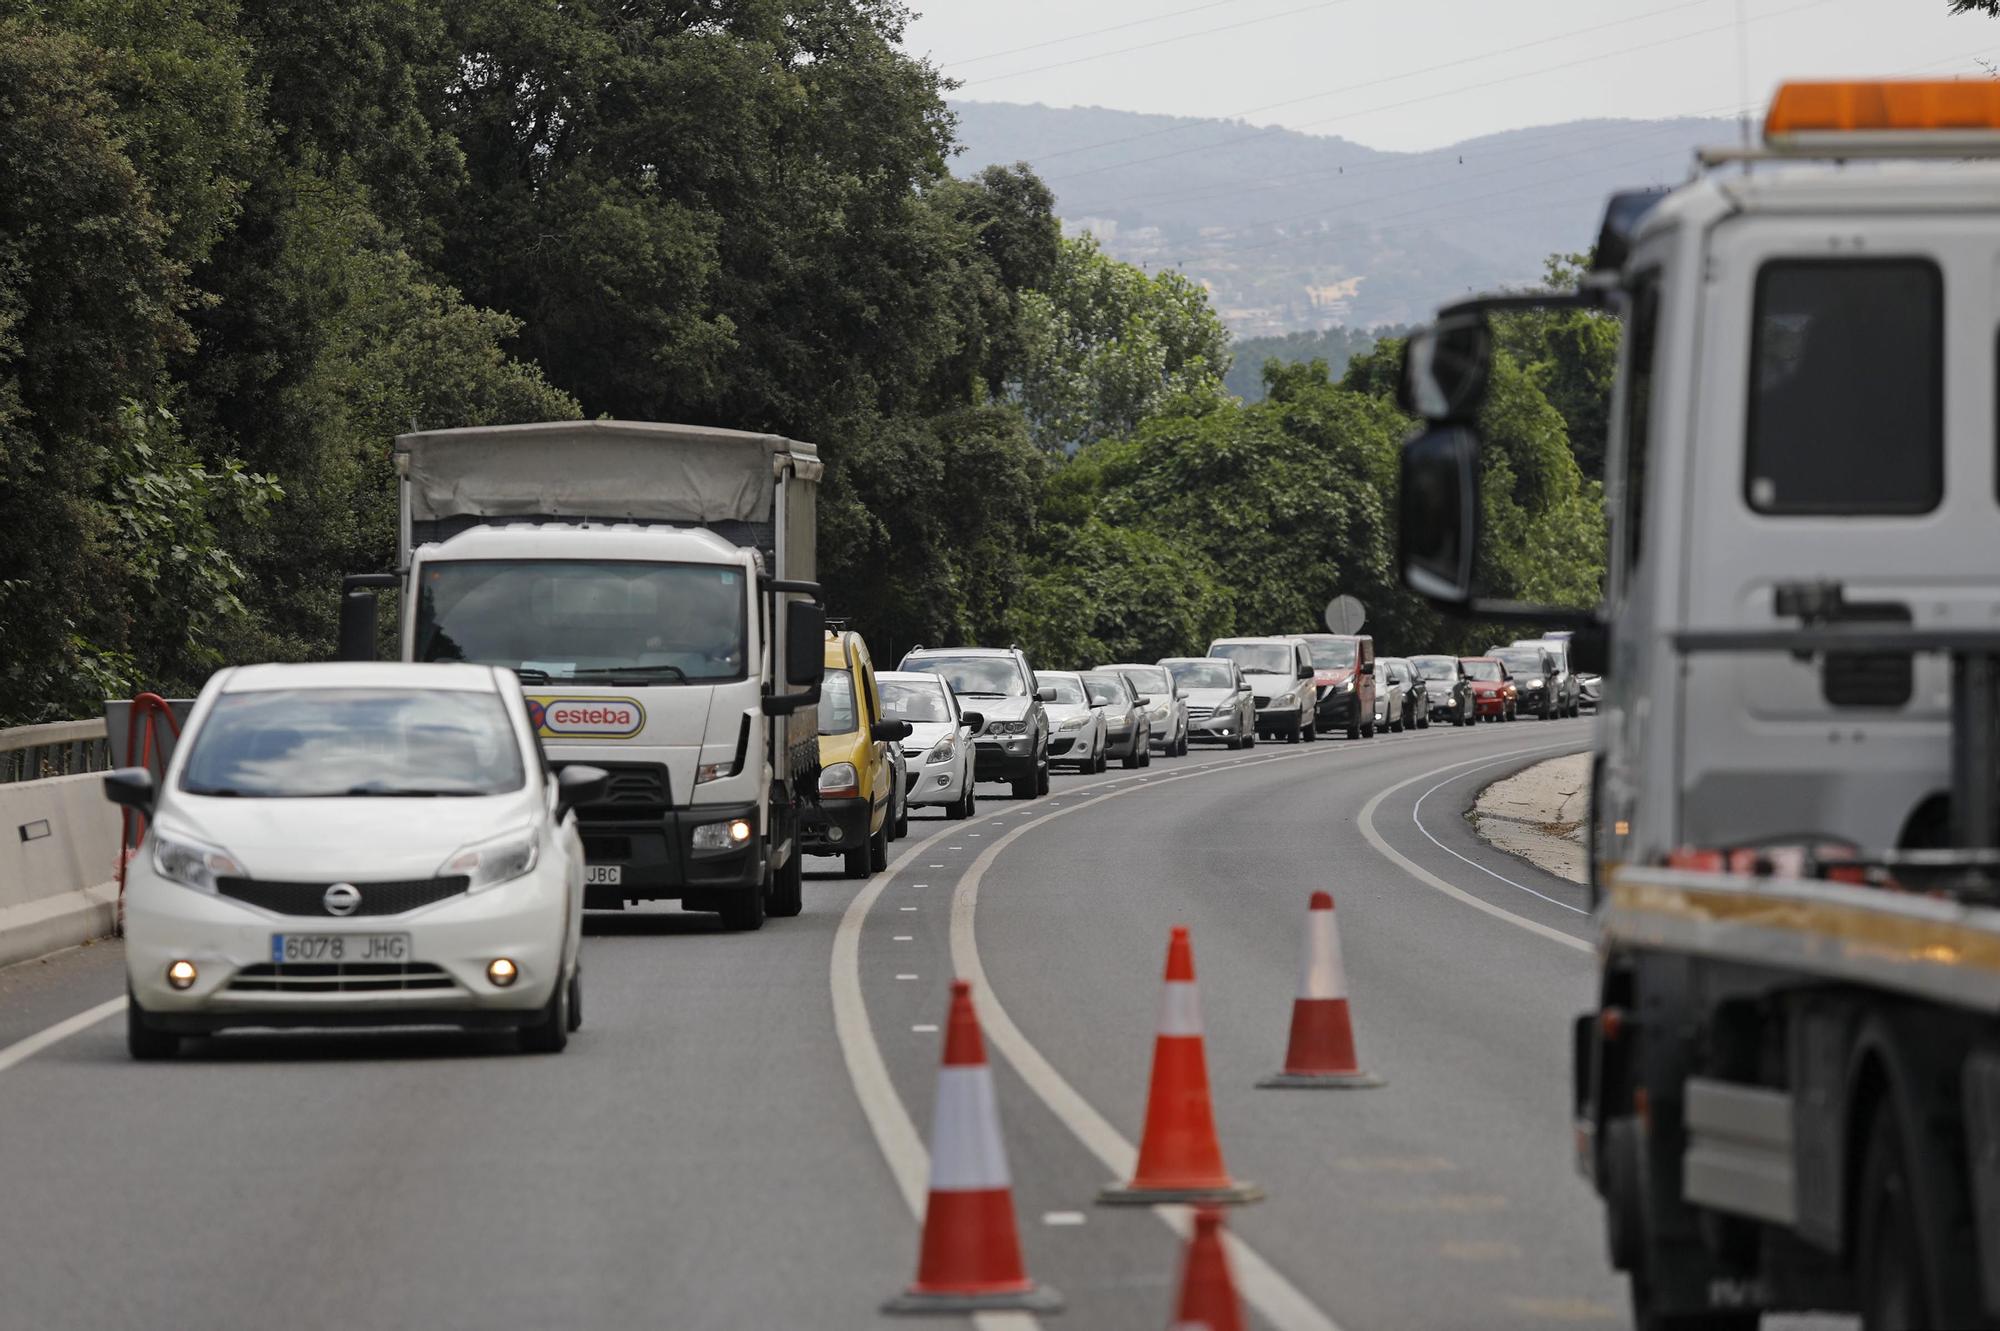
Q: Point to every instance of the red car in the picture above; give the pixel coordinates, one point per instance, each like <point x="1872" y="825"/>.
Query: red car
<point x="1493" y="697"/>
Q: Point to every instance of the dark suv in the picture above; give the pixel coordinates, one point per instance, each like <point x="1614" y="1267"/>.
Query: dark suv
<point x="1014" y="745"/>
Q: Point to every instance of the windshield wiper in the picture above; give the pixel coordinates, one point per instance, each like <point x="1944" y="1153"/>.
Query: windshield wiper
<point x="631" y="674"/>
<point x="533" y="675"/>
<point x="968" y="693"/>
<point x="217" y="792"/>
<point x="404" y="792"/>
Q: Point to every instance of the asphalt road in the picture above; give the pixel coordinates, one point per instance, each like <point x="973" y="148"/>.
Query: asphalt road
<point x="728" y="1142"/>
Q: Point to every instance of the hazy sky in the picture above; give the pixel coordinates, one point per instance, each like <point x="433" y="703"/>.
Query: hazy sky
<point x="1421" y="73"/>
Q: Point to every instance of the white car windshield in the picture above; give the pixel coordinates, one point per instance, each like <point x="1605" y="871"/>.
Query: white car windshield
<point x="904" y="700"/>
<point x="1262" y="658"/>
<point x="588" y="621"/>
<point x="314" y="743"/>
<point x="974" y="676"/>
<point x="1146" y="679"/>
<point x="1105" y="691"/>
<point x="1068" y="690"/>
<point x="1203" y="675"/>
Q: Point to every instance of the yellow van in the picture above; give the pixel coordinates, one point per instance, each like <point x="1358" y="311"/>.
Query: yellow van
<point x="856" y="772"/>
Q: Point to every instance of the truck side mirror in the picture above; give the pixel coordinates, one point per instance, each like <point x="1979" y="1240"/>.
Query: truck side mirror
<point x="1439" y="530"/>
<point x="358" y="612"/>
<point x="1445" y="368"/>
<point x="132" y="787"/>
<point x="579" y="784"/>
<point x="973" y="721"/>
<point x="805" y="642"/>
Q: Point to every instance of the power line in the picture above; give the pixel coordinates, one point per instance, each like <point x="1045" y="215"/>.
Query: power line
<point x="1390" y="78"/>
<point x="1450" y="92"/>
<point x="1094" y="32"/>
<point x="1163" y="41"/>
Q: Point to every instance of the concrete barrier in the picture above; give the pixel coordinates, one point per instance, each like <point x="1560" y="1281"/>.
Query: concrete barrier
<point x="58" y="865"/>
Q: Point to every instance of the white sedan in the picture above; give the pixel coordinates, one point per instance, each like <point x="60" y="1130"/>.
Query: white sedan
<point x="939" y="750"/>
<point x="355" y="845"/>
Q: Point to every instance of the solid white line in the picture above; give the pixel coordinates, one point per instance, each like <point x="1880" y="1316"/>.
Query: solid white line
<point x="22" y="1050"/>
<point x="1429" y="879"/>
<point x="1416" y="816"/>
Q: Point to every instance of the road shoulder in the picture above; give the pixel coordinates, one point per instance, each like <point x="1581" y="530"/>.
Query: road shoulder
<point x="1540" y="814"/>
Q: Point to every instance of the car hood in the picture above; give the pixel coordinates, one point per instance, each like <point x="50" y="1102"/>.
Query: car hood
<point x="1063" y="711"/>
<point x="1486" y="685"/>
<point x="1439" y="686"/>
<point x="996" y="709"/>
<point x="1208" y="697"/>
<point x="923" y="734"/>
<point x="361" y="838"/>
<point x="1262" y="682"/>
<point x="1333" y="678"/>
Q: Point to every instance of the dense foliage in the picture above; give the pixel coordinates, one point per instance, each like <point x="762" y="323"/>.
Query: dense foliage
<point x="1336" y="346"/>
<point x="245" y="242"/>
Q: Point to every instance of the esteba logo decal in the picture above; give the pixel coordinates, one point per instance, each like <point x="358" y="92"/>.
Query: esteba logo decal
<point x="586" y="718"/>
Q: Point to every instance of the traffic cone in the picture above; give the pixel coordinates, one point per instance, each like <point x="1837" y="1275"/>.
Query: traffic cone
<point x="1321" y="1052"/>
<point x="971" y="1255"/>
<point x="1208" y="1300"/>
<point x="1180" y="1159"/>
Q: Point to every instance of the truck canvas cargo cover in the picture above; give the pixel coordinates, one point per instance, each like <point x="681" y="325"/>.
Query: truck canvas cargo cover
<point x="612" y="470"/>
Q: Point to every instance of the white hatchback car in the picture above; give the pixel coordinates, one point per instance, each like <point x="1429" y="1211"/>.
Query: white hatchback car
<point x="355" y="845"/>
<point x="939" y="750"/>
<point x="1077" y="737"/>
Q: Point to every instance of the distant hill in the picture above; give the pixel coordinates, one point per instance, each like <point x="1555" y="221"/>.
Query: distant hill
<point x="1293" y="231"/>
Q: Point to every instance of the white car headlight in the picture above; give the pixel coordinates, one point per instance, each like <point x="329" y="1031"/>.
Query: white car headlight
<point x="500" y="860"/>
<point x="192" y="864"/>
<point x="943" y="751"/>
<point x="1160" y="713"/>
<point x="1073" y="722"/>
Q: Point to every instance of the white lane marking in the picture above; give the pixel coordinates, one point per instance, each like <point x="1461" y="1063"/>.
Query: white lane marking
<point x="904" y="938"/>
<point x="1416" y="816"/>
<point x="1063" y="1217"/>
<point x="22" y="1050"/>
<point x="906" y="908"/>
<point x="909" y="977"/>
<point x="1429" y="879"/>
<point x="924" y="1028"/>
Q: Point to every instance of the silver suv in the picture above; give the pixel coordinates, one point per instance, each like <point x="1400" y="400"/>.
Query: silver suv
<point x="1000" y="685"/>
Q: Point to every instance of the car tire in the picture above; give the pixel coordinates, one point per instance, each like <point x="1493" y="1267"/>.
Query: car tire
<point x="788" y="887"/>
<point x="1042" y="776"/>
<point x="145" y="1042"/>
<point x="548" y="1033"/>
<point x="576" y="1000"/>
<point x="1024" y="786"/>
<point x="854" y="861"/>
<point x="1367" y="730"/>
<point x="878" y="849"/>
<point x="1131" y="758"/>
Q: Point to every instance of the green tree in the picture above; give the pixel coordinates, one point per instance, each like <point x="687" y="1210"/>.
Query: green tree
<point x="1572" y="355"/>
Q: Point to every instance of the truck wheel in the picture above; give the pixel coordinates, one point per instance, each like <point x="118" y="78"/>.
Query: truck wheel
<point x="878" y="849"/>
<point x="788" y="888"/>
<point x="745" y="910"/>
<point x="1890" y="1259"/>
<point x="548" y="1033"/>
<point x="143" y="1041"/>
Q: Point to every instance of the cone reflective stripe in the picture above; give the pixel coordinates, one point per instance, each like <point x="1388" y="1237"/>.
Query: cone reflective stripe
<point x="1320" y="1053"/>
<point x="970" y="1259"/>
<point x="1208" y="1299"/>
<point x="1180" y="1157"/>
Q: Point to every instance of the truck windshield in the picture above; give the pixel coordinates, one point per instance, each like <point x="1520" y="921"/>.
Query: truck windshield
<point x="586" y="621"/>
<point x="1257" y="658"/>
<point x="316" y="743"/>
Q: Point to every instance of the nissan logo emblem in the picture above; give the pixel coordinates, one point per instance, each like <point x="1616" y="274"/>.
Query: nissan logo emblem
<point x="342" y="899"/>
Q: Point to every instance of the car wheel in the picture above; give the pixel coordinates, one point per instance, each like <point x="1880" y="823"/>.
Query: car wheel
<point x="788" y="887"/>
<point x="576" y="1000"/>
<point x="854" y="861"/>
<point x="878" y="849"/>
<point x="1024" y="786"/>
<point x="144" y="1041"/>
<point x="1042" y="776"/>
<point x="548" y="1033"/>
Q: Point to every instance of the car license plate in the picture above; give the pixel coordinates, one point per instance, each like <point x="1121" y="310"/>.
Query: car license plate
<point x="289" y="948"/>
<point x="603" y="875"/>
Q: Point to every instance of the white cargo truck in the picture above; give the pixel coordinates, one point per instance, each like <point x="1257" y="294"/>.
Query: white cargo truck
<point x="1788" y="1094"/>
<point x="654" y="587"/>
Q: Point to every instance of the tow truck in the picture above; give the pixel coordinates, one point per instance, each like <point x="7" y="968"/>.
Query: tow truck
<point x="1788" y="1094"/>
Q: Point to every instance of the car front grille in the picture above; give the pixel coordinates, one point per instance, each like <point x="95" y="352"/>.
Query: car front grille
<point x="1262" y="700"/>
<point x="340" y="977"/>
<point x="391" y="898"/>
<point x="1200" y="713"/>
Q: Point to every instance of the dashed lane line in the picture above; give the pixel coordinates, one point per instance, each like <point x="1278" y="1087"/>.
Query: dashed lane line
<point x="1429" y="879"/>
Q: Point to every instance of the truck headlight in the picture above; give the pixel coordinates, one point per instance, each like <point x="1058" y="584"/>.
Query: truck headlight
<point x="839" y="779"/>
<point x="942" y="752"/>
<point x="192" y="864"/>
<point x="708" y="772"/>
<point x="485" y="863"/>
<point x="729" y="835"/>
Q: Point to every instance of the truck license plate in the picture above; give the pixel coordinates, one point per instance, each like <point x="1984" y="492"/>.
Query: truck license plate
<point x="287" y="948"/>
<point x="603" y="875"/>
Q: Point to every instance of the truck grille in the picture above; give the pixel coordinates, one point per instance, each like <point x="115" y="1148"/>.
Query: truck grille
<point x="391" y="898"/>
<point x="340" y="977"/>
<point x="636" y="790"/>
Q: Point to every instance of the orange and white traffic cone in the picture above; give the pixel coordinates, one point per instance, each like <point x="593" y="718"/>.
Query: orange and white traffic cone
<point x="1208" y="1300"/>
<point x="1180" y="1159"/>
<point x="971" y="1255"/>
<point x="1320" y="1054"/>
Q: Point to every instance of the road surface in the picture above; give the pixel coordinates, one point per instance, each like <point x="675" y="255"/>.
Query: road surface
<point x="728" y="1142"/>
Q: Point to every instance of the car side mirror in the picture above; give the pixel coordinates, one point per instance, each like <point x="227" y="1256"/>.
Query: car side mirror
<point x="1305" y="672"/>
<point x="805" y="642"/>
<point x="578" y="784"/>
<point x="133" y="787"/>
<point x="974" y="721"/>
<point x="1045" y="694"/>
<point x="1439" y="528"/>
<point x="890" y="732"/>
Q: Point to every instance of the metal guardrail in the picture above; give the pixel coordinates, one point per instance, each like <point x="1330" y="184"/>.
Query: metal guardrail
<point x="59" y="748"/>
